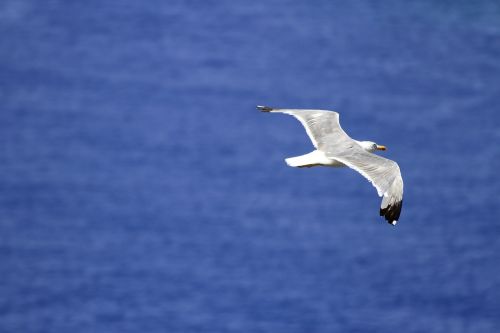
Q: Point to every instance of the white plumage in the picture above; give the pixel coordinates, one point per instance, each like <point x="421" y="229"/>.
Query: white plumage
<point x="334" y="148"/>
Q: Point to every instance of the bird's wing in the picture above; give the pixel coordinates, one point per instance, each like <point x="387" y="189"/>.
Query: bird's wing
<point x="321" y="125"/>
<point x="384" y="174"/>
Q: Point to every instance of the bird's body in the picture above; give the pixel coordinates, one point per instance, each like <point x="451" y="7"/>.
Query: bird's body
<point x="334" y="148"/>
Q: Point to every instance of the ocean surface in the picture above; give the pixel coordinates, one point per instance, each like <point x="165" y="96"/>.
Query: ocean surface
<point x="140" y="190"/>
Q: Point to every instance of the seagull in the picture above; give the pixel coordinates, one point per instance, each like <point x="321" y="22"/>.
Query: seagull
<point x="334" y="148"/>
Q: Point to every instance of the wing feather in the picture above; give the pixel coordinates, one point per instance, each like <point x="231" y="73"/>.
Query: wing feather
<point x="384" y="174"/>
<point x="320" y="125"/>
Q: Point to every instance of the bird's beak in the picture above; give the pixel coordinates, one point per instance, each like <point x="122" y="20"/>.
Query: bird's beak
<point x="379" y="147"/>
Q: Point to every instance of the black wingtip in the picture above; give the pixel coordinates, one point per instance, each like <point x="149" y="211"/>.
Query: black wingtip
<point x="392" y="212"/>
<point x="264" y="108"/>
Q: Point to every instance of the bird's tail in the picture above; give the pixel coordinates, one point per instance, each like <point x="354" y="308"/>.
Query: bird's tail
<point x="302" y="161"/>
<point x="295" y="161"/>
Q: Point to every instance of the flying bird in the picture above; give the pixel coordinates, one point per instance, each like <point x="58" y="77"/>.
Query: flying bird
<point x="334" y="148"/>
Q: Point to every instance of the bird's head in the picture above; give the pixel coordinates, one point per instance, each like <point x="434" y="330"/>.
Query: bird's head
<point x="371" y="146"/>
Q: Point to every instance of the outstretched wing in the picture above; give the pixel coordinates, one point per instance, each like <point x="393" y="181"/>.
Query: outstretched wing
<point x="384" y="174"/>
<point x="322" y="126"/>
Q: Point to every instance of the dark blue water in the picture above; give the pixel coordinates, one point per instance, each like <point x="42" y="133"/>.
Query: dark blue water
<point x="140" y="191"/>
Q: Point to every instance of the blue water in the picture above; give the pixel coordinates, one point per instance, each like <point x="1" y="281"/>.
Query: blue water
<point x="140" y="190"/>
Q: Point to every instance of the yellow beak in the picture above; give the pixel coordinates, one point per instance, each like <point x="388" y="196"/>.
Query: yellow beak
<point x="379" y="147"/>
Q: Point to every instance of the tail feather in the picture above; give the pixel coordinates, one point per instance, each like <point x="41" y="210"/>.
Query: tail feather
<point x="295" y="161"/>
<point x="307" y="160"/>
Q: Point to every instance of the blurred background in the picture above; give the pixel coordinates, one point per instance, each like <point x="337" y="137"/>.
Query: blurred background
<point x="140" y="190"/>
